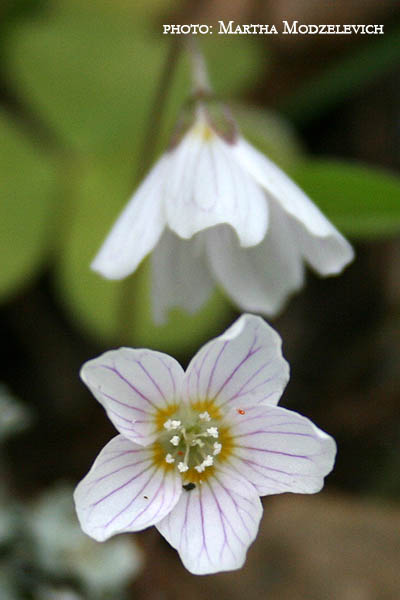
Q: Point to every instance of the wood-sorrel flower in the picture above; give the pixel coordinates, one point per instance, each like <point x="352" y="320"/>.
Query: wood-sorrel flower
<point x="215" y="210"/>
<point x="197" y="449"/>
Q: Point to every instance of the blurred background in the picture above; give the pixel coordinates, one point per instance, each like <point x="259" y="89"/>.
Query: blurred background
<point x="77" y="81"/>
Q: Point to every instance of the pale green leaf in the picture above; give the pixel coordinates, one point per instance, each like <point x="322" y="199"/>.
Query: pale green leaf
<point x="361" y="201"/>
<point x="343" y="78"/>
<point x="91" y="73"/>
<point x="89" y="78"/>
<point x="28" y="202"/>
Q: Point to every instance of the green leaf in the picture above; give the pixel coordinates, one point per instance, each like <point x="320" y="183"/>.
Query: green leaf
<point x="28" y="201"/>
<point x="344" y="77"/>
<point x="235" y="63"/>
<point x="100" y="305"/>
<point x="86" y="76"/>
<point x="91" y="73"/>
<point x="361" y="201"/>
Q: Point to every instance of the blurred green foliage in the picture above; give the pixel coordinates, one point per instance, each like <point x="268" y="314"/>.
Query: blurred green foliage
<point x="362" y="202"/>
<point x="343" y="78"/>
<point x="92" y="72"/>
<point x="89" y="71"/>
<point x="28" y="201"/>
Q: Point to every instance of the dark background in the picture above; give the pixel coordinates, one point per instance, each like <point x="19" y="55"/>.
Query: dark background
<point x="341" y="336"/>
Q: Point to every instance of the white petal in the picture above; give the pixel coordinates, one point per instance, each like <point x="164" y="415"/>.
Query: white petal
<point x="137" y="229"/>
<point x="279" y="185"/>
<point x="333" y="251"/>
<point x="328" y="255"/>
<point x="258" y="279"/>
<point x="125" y="491"/>
<point x="207" y="187"/>
<point x="213" y="525"/>
<point x="133" y="385"/>
<point x="180" y="275"/>
<point x="244" y="366"/>
<point x="278" y="450"/>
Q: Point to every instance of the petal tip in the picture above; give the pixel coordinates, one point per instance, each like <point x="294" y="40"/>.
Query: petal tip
<point x="110" y="269"/>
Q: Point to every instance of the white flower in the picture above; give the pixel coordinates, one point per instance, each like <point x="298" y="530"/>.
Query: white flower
<point x="51" y="593"/>
<point x="205" y="503"/>
<point x="14" y="416"/>
<point x="62" y="549"/>
<point x="217" y="210"/>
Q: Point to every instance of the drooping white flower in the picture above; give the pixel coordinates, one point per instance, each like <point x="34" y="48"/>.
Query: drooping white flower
<point x="202" y="497"/>
<point x="216" y="210"/>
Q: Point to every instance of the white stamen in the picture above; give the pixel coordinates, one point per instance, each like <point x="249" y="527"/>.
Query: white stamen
<point x="171" y="424"/>
<point x="208" y="461"/>
<point x="213" y="431"/>
<point x="204" y="416"/>
<point x="217" y="448"/>
<point x="191" y="440"/>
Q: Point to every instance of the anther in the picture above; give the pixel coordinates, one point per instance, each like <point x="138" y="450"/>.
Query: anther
<point x="175" y="440"/>
<point x="171" y="424"/>
<point x="169" y="459"/>
<point x="208" y="461"/>
<point x="204" y="416"/>
<point x="217" y="448"/>
<point x="182" y="467"/>
<point x="213" y="431"/>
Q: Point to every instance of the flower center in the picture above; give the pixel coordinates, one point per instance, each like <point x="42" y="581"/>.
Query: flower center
<point x="191" y="440"/>
<point x="203" y="130"/>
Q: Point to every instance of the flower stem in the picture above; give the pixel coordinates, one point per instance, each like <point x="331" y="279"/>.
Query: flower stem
<point x="128" y="287"/>
<point x="201" y="86"/>
<point x="156" y="113"/>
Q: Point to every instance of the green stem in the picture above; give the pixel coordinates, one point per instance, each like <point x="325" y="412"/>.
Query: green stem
<point x="128" y="287"/>
<point x="201" y="86"/>
<point x="156" y="113"/>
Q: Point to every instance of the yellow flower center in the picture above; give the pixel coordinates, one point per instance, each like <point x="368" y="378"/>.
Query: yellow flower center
<point x="192" y="439"/>
<point x="203" y="131"/>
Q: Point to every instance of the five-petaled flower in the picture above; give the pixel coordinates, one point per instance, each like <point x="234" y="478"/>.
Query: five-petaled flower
<point x="215" y="209"/>
<point x="197" y="449"/>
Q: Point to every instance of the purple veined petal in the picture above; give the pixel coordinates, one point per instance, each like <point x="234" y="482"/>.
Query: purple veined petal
<point x="321" y="244"/>
<point x="244" y="366"/>
<point x="137" y="229"/>
<point x="213" y="525"/>
<point x="259" y="279"/>
<point x="135" y="387"/>
<point x="279" y="450"/>
<point x="180" y="275"/>
<point x="125" y="491"/>
<point x="206" y="187"/>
